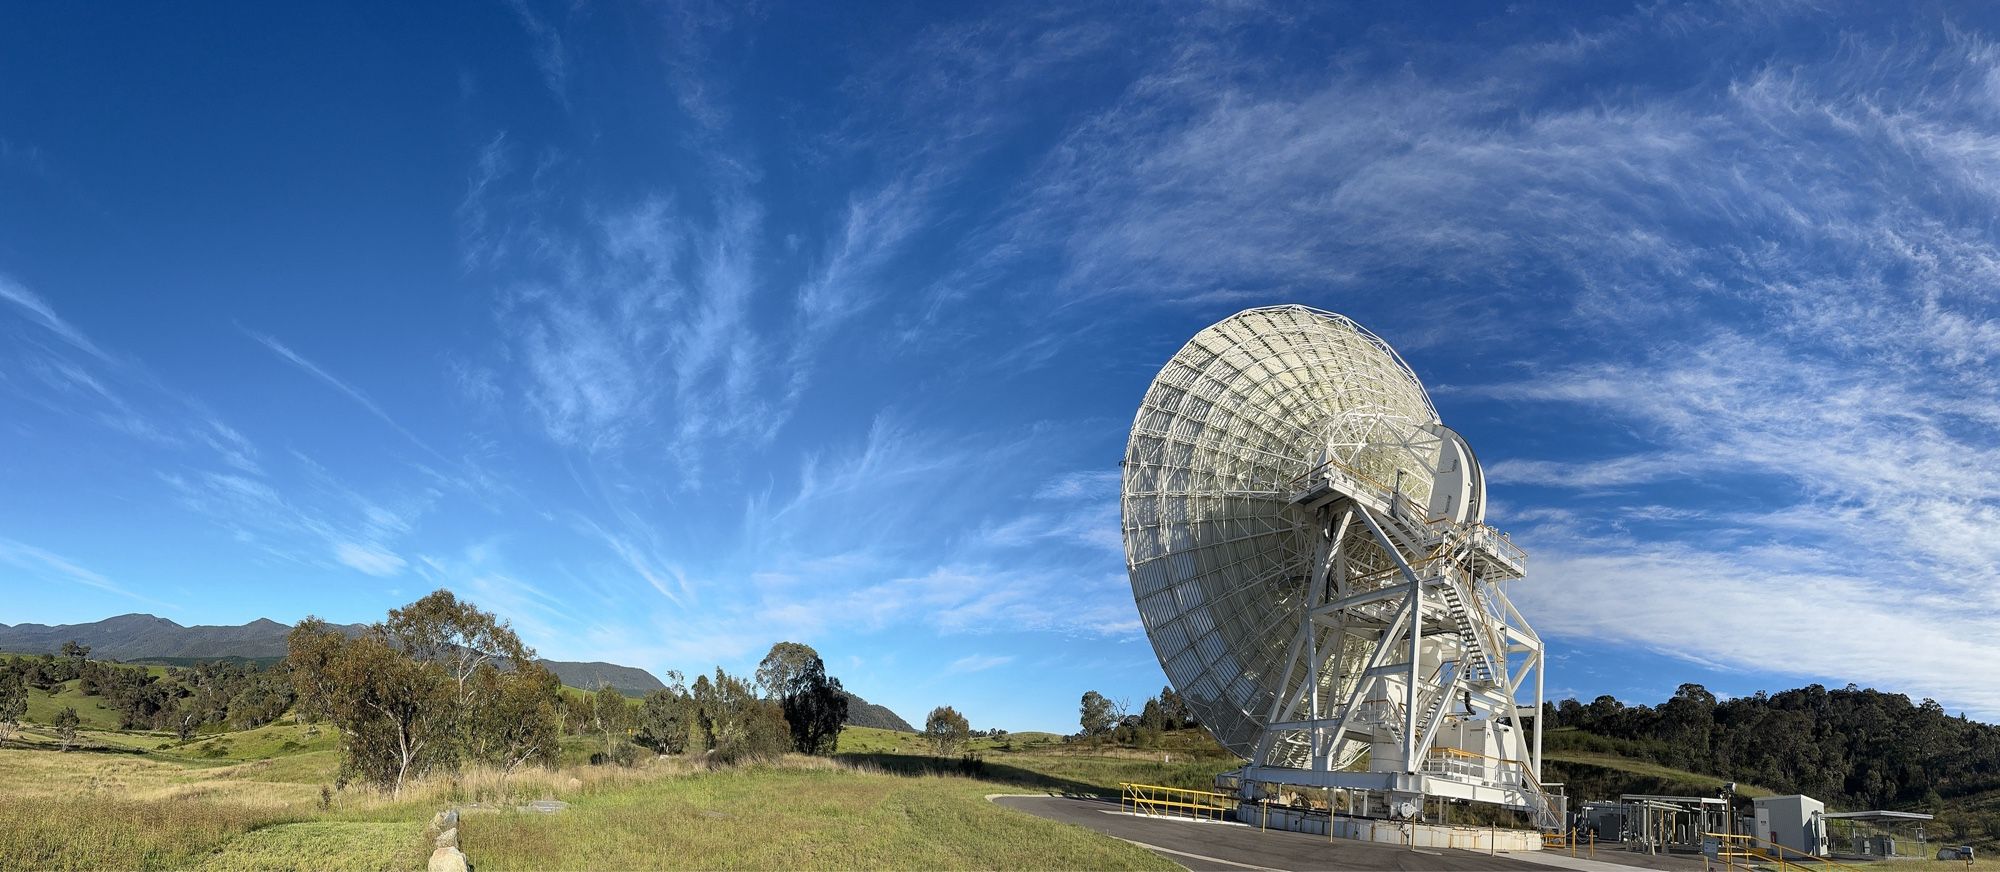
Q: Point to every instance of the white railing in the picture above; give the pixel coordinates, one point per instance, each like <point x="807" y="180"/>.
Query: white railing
<point x="1500" y="547"/>
<point x="1383" y="713"/>
<point x="1493" y="772"/>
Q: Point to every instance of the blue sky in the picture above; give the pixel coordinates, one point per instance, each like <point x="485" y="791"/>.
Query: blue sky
<point x="671" y="331"/>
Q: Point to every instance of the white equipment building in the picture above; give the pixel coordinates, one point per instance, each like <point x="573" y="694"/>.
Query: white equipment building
<point x="1795" y="822"/>
<point x="1309" y="552"/>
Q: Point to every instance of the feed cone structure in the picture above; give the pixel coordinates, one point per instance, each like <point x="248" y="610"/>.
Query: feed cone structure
<point x="1309" y="552"/>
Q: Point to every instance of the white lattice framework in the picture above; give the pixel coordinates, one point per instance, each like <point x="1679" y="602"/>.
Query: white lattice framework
<point x="1287" y="568"/>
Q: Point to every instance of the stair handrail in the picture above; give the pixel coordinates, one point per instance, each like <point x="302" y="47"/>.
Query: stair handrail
<point x="1468" y="602"/>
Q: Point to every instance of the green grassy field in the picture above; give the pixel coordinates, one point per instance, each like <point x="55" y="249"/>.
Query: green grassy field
<point x="822" y="816"/>
<point x="883" y="801"/>
<point x="111" y="809"/>
<point x="90" y="710"/>
<point x="252" y="800"/>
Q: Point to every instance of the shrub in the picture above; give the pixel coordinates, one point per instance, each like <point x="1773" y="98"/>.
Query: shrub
<point x="622" y="753"/>
<point x="971" y="764"/>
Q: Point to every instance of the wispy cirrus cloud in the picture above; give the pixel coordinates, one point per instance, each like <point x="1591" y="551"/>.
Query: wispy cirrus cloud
<point x="38" y="310"/>
<point x="316" y="521"/>
<point x="360" y="398"/>
<point x="551" y="58"/>
<point x="369" y="557"/>
<point x="46" y="565"/>
<point x="977" y="663"/>
<point x="210" y="466"/>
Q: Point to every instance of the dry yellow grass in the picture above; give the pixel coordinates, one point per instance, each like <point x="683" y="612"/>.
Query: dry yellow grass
<point x="85" y="810"/>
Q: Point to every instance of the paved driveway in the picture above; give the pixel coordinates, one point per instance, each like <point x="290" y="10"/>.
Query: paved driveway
<point x="1223" y="847"/>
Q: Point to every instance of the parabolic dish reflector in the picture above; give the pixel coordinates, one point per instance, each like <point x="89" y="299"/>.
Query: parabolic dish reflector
<point x="1220" y="558"/>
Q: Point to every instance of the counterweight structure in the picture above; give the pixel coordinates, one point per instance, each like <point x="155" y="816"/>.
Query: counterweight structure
<point x="1309" y="553"/>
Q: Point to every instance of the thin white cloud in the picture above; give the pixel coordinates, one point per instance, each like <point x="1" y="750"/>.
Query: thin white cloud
<point x="1610" y="472"/>
<point x="1090" y="483"/>
<point x="550" y="56"/>
<point x="370" y="558"/>
<point x="49" y="566"/>
<point x="977" y="663"/>
<point x="351" y="392"/>
<point x="41" y="313"/>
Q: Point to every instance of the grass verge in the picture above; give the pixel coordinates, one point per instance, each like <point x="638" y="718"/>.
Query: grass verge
<point x="805" y="814"/>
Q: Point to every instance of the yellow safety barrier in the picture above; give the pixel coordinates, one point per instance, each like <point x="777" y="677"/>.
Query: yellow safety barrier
<point x="1738" y="850"/>
<point x="1571" y="839"/>
<point x="1178" y="801"/>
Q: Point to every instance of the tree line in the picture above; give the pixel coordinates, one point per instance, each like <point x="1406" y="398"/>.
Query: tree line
<point x="1853" y="748"/>
<point x="183" y="700"/>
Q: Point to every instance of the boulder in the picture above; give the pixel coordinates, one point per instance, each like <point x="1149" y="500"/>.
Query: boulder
<point x="445" y="819"/>
<point x="448" y="860"/>
<point x="448" y="838"/>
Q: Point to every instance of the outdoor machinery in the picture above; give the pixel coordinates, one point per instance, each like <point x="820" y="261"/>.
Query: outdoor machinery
<point x="1308" y="547"/>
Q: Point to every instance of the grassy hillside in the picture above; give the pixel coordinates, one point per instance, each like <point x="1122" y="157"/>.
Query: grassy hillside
<point x="1598" y="775"/>
<point x="629" y="680"/>
<point x="43" y="705"/>
<point x="862" y="713"/>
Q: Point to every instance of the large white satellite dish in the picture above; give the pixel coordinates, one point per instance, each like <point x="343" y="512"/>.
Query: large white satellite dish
<point x="1309" y="554"/>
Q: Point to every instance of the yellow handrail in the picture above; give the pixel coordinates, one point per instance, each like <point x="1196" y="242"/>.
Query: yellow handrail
<point x="1158" y="799"/>
<point x="1730" y="846"/>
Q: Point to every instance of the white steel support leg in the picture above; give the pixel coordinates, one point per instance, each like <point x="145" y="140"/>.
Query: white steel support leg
<point x="1416" y="674"/>
<point x="1415" y="609"/>
<point x="1339" y="573"/>
<point x="1539" y="669"/>
<point x="1361" y="687"/>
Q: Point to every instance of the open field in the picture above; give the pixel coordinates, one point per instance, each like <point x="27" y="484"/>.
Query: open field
<point x="881" y="802"/>
<point x="253" y="800"/>
<point x="794" y="816"/>
<point x="125" y="810"/>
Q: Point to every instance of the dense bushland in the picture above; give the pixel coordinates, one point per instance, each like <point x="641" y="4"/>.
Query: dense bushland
<point x="1854" y="748"/>
<point x="183" y="700"/>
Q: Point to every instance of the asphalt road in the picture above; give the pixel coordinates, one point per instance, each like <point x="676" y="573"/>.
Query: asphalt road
<point x="1205" y="846"/>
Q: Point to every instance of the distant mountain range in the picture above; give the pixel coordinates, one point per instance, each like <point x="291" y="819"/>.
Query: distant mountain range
<point x="134" y="638"/>
<point x="147" y="637"/>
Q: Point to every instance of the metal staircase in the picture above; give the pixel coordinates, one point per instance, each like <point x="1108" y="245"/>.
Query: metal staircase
<point x="1433" y="713"/>
<point x="1478" y="663"/>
